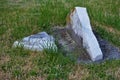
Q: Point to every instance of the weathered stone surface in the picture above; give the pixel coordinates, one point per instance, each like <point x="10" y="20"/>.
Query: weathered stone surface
<point x="37" y="42"/>
<point x="78" y="24"/>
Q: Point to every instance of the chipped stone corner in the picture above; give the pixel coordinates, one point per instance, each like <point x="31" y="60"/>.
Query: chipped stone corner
<point x="68" y="19"/>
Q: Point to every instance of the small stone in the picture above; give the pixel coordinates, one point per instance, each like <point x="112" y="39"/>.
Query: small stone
<point x="37" y="42"/>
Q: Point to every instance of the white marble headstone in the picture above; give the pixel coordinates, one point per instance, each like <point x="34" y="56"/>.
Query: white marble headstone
<point x="79" y="22"/>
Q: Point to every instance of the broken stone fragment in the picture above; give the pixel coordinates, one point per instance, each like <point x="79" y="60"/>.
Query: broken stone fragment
<point x="37" y="42"/>
<point x="79" y="27"/>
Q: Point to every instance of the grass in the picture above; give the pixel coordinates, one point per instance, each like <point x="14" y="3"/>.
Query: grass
<point x="19" y="18"/>
<point x="36" y="65"/>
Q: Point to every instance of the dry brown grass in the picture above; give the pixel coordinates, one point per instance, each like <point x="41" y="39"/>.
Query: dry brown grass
<point x="79" y="73"/>
<point x="36" y="14"/>
<point x="108" y="28"/>
<point x="114" y="72"/>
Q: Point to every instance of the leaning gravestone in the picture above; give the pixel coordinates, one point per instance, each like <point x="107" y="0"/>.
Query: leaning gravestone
<point x="37" y="42"/>
<point x="79" y="27"/>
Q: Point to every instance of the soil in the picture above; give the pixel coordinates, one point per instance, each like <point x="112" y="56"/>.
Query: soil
<point x="69" y="47"/>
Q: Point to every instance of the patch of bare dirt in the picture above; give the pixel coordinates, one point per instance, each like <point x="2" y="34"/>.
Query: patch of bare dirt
<point x="68" y="46"/>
